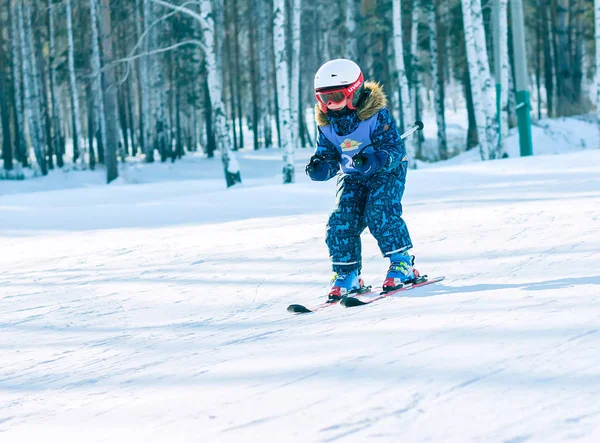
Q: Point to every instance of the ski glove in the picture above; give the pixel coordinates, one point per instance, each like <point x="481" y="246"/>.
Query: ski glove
<point x="317" y="168"/>
<point x="368" y="161"/>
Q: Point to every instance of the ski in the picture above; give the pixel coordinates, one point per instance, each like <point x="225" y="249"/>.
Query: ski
<point x="364" y="299"/>
<point x="301" y="309"/>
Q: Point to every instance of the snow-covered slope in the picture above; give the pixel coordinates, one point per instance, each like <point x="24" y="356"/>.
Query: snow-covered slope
<point x="156" y="312"/>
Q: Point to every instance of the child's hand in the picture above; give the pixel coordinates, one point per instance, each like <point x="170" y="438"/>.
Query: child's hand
<point x="368" y="161"/>
<point x="316" y="168"/>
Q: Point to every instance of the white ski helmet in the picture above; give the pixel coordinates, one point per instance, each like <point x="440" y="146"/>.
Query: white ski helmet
<point x="336" y="80"/>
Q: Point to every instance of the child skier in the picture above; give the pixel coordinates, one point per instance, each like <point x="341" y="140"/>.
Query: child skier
<point x="358" y="140"/>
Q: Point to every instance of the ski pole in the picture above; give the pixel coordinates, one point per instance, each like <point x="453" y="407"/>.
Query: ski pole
<point x="418" y="126"/>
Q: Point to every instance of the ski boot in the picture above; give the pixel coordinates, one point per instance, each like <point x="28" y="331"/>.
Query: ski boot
<point x="343" y="284"/>
<point x="400" y="272"/>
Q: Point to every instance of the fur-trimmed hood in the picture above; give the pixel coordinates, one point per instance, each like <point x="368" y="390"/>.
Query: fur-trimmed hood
<point x="374" y="102"/>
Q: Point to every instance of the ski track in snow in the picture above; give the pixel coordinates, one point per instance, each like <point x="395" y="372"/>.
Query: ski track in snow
<point x="156" y="312"/>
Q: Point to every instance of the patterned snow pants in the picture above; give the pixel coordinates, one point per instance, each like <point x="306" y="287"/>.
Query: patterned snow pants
<point x="374" y="202"/>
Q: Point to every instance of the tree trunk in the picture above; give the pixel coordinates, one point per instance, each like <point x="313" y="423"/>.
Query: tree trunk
<point x="91" y="124"/>
<point x="211" y="142"/>
<point x="132" y="131"/>
<point x="548" y="58"/>
<point x="296" y="15"/>
<point x="158" y="91"/>
<point x="73" y="84"/>
<point x="415" y="75"/>
<point x="505" y="72"/>
<point x="405" y="114"/>
<point x="563" y="56"/>
<point x="42" y="91"/>
<point x="436" y="80"/>
<point x="538" y="64"/>
<point x="57" y="145"/>
<point x="18" y="123"/>
<point x="472" y="134"/>
<point x="96" y="81"/>
<point x="31" y="88"/>
<point x="481" y="82"/>
<point x="238" y="77"/>
<point x="597" y="38"/>
<point x="110" y="97"/>
<point x="7" y="149"/>
<point x="230" y="164"/>
<point x="230" y="74"/>
<point x="254" y="78"/>
<point x="352" y="42"/>
<point x="578" y="56"/>
<point x="283" y="97"/>
<point x="266" y="130"/>
<point x="145" y="115"/>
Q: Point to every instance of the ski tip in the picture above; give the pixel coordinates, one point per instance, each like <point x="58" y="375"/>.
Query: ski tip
<point x="298" y="309"/>
<point x="349" y="302"/>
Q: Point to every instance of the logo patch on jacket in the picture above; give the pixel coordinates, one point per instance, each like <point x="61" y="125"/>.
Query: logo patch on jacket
<point x="348" y="145"/>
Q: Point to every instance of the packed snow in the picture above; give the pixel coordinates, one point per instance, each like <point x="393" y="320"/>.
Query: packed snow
<point x="154" y="309"/>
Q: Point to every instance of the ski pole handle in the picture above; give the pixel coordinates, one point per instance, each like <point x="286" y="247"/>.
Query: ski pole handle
<point x="418" y="126"/>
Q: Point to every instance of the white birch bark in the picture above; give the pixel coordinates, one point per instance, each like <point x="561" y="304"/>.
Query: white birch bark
<point x="263" y="69"/>
<point x="481" y="81"/>
<point x="438" y="95"/>
<point x="415" y="139"/>
<point x="504" y="70"/>
<point x="17" y="80"/>
<point x="53" y="85"/>
<point x="295" y="83"/>
<point x="77" y="145"/>
<point x="597" y="38"/>
<point x="406" y="116"/>
<point x="32" y="104"/>
<point x="96" y="80"/>
<point x="142" y="23"/>
<point x="281" y="70"/>
<point x="158" y="90"/>
<point x="352" y="45"/>
<point x="230" y="164"/>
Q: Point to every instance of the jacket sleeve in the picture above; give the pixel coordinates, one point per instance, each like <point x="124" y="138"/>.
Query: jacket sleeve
<point x="386" y="138"/>
<point x="329" y="165"/>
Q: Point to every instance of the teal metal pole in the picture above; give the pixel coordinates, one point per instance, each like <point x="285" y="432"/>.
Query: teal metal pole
<point x="523" y="104"/>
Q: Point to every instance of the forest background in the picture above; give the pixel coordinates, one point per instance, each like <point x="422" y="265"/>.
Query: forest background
<point x="94" y="83"/>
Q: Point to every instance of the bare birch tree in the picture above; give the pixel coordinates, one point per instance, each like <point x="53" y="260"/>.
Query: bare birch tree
<point x="436" y="80"/>
<point x="406" y="116"/>
<point x="19" y="124"/>
<point x="73" y="85"/>
<point x="158" y="90"/>
<point x="283" y="96"/>
<point x="7" y="149"/>
<point x="56" y="118"/>
<point x="481" y="82"/>
<point x="504" y="70"/>
<point x="264" y="125"/>
<point x="295" y="116"/>
<point x="32" y="103"/>
<point x="142" y="23"/>
<point x="206" y="20"/>
<point x="96" y="80"/>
